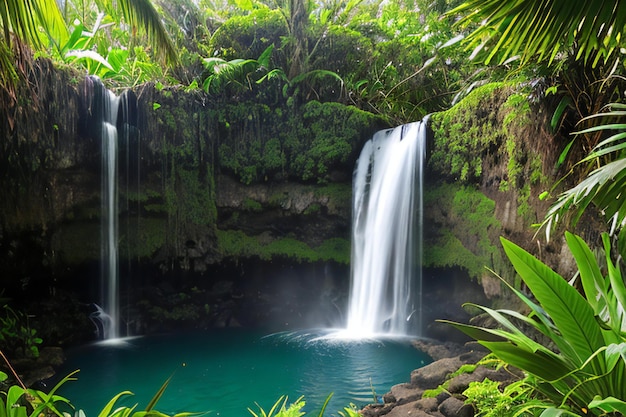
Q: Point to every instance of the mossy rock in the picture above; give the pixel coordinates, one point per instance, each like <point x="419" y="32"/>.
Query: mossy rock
<point x="249" y="35"/>
<point x="461" y="229"/>
<point x="490" y="139"/>
<point x="307" y="144"/>
<point x="77" y="242"/>
<point x="237" y="244"/>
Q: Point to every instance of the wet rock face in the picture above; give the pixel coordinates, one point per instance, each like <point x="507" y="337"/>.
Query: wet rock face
<point x="287" y="208"/>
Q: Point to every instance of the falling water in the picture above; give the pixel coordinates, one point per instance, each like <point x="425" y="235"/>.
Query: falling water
<point x="109" y="230"/>
<point x="101" y="120"/>
<point x="105" y="114"/>
<point x="387" y="233"/>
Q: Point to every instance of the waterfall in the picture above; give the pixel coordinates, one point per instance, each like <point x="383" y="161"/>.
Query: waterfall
<point x="101" y="120"/>
<point x="387" y="233"/>
<point x="110" y="229"/>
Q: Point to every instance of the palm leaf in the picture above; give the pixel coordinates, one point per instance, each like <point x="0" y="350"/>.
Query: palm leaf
<point x="51" y="21"/>
<point x="541" y="29"/>
<point x="601" y="187"/>
<point x="141" y="13"/>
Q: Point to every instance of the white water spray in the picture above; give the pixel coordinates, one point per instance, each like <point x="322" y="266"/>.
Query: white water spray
<point x="387" y="234"/>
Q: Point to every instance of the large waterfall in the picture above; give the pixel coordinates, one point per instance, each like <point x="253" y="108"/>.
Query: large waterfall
<point x="387" y="234"/>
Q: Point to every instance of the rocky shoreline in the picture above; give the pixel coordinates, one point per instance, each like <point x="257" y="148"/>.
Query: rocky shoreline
<point x="408" y="400"/>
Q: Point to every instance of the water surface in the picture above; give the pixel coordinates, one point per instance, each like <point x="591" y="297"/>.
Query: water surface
<point x="228" y="371"/>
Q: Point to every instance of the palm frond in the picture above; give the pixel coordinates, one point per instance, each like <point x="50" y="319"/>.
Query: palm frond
<point x="51" y="21"/>
<point x="18" y="17"/>
<point x="141" y="13"/>
<point x="542" y="29"/>
<point x="604" y="186"/>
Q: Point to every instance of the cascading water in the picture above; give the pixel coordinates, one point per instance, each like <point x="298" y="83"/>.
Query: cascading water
<point x="387" y="234"/>
<point x="102" y="121"/>
<point x="110" y="229"/>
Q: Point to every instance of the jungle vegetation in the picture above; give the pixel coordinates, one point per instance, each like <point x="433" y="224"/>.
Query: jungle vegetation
<point x="403" y="60"/>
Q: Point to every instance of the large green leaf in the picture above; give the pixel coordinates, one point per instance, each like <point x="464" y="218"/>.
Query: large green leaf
<point x="543" y="323"/>
<point x="544" y="364"/>
<point x="608" y="404"/>
<point x="590" y="276"/>
<point x="519" y="351"/>
<point x="570" y="312"/>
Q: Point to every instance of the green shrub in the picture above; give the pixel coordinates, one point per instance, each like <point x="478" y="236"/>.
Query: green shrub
<point x="249" y="35"/>
<point x="489" y="401"/>
<point x="16" y="334"/>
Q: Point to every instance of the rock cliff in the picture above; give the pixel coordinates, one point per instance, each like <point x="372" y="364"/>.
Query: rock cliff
<point x="235" y="211"/>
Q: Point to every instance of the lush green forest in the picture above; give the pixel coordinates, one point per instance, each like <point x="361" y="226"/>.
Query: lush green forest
<point x="399" y="61"/>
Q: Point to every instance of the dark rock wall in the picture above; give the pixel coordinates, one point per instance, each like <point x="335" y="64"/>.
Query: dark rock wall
<point x="230" y="213"/>
<point x="236" y="212"/>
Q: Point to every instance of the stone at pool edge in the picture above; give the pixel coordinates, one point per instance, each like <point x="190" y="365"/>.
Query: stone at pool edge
<point x="32" y="371"/>
<point x="405" y="400"/>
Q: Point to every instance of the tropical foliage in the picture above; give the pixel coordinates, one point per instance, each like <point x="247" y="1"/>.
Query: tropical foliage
<point x="540" y="30"/>
<point x="382" y="57"/>
<point x="578" y="48"/>
<point x="20" y="401"/>
<point x="17" y="336"/>
<point x="581" y="364"/>
<point x="42" y="25"/>
<point x="603" y="187"/>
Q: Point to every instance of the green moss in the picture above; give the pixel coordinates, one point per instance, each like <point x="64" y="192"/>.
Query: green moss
<point x="336" y="249"/>
<point x="306" y="143"/>
<point x="189" y="191"/>
<point x="236" y="244"/>
<point x="339" y="194"/>
<point x="463" y="133"/>
<point x="78" y="242"/>
<point x="252" y="205"/>
<point x="142" y="237"/>
<point x="312" y="209"/>
<point x="469" y="240"/>
<point x="450" y="252"/>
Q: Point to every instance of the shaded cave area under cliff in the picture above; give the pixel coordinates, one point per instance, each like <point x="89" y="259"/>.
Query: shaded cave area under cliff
<point x="275" y="295"/>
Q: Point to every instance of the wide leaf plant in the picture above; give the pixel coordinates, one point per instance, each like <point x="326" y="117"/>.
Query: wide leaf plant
<point x="580" y="368"/>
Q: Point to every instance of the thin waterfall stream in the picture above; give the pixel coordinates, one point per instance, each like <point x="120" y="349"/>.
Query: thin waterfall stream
<point x="104" y="108"/>
<point x="110" y="227"/>
<point x="387" y="233"/>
